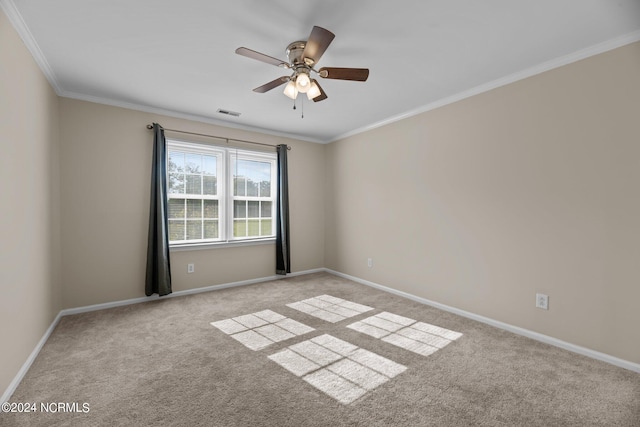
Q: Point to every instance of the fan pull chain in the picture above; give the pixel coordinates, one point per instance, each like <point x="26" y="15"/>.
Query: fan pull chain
<point x="294" y="104"/>
<point x="302" y="107"/>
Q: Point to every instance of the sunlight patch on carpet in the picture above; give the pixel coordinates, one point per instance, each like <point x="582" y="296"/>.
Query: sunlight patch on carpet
<point x="418" y="337"/>
<point x="259" y="330"/>
<point x="338" y="368"/>
<point x="329" y="308"/>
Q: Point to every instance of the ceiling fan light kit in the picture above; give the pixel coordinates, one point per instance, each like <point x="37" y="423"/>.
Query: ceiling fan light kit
<point x="302" y="82"/>
<point x="290" y="89"/>
<point x="314" y="90"/>
<point x="303" y="56"/>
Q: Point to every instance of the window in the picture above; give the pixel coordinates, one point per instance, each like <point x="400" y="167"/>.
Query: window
<point x="219" y="194"/>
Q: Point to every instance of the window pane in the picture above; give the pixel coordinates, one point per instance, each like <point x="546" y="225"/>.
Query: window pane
<point x="209" y="185"/>
<point x="176" y="230"/>
<point x="265" y="209"/>
<point x="209" y="165"/>
<point x="176" y="208"/>
<point x="176" y="161"/>
<point x="265" y="188"/>
<point x="253" y="227"/>
<point x="265" y="227"/>
<point x="239" y="209"/>
<point x="239" y="228"/>
<point x="194" y="230"/>
<point x="252" y="188"/>
<point x="210" y="208"/>
<point x="194" y="208"/>
<point x="211" y="230"/>
<point x="176" y="183"/>
<point x="238" y="186"/>
<point x="253" y="209"/>
<point x="193" y="163"/>
<point x="258" y="175"/>
<point x="194" y="184"/>
<point x="254" y="169"/>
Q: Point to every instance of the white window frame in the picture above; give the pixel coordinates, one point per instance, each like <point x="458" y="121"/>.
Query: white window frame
<point x="233" y="156"/>
<point x="224" y="194"/>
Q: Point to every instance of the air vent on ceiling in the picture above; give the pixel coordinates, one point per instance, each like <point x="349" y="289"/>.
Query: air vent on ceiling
<point x="228" y="112"/>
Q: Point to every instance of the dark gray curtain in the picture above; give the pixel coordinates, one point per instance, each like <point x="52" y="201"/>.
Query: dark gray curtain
<point x="283" y="258"/>
<point x="158" y="280"/>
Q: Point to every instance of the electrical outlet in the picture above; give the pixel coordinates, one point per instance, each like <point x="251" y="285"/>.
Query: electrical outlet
<point x="542" y="301"/>
<point x="191" y="268"/>
<point x="369" y="262"/>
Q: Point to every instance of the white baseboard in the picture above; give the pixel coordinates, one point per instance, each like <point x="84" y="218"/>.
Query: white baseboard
<point x="95" y="307"/>
<point x="515" y="329"/>
<point x="501" y="325"/>
<point x="25" y="367"/>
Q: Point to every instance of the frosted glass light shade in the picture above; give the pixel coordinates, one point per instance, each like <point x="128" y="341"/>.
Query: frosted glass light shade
<point x="303" y="82"/>
<point x="314" y="90"/>
<point x="290" y="90"/>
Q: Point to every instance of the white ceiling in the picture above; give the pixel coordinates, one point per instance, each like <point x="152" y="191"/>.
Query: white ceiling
<point x="177" y="57"/>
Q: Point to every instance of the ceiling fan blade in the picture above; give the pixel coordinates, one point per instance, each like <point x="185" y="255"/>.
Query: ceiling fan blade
<point x="272" y="84"/>
<point x="261" y="57"/>
<point x="319" y="41"/>
<point x="355" y="74"/>
<point x="322" y="95"/>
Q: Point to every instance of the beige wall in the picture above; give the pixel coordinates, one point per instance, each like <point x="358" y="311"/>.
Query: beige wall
<point x="105" y="175"/>
<point x="531" y="187"/>
<point x="29" y="204"/>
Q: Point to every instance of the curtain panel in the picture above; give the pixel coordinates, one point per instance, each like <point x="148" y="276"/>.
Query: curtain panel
<point x="158" y="277"/>
<point x="283" y="257"/>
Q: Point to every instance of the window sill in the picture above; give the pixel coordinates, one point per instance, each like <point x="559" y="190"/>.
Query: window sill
<point x="216" y="245"/>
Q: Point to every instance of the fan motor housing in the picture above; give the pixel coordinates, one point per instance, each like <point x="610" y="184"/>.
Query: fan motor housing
<point x="294" y="53"/>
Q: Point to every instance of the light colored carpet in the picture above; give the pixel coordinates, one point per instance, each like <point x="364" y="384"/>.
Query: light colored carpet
<point x="314" y="350"/>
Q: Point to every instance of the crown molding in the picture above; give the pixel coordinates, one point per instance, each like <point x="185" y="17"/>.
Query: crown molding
<point x="185" y="116"/>
<point x="21" y="28"/>
<point x="512" y="78"/>
<point x="23" y="31"/>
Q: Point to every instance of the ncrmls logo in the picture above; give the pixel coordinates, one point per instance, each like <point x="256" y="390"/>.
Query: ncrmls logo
<point x="64" y="407"/>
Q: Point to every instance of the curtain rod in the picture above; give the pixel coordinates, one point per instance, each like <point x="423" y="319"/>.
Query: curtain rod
<point x="219" y="137"/>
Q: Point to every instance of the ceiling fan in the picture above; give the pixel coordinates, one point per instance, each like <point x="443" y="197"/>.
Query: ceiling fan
<point x="303" y="57"/>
